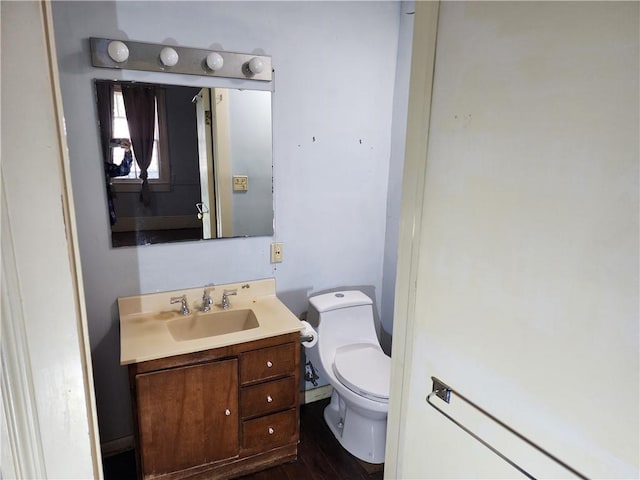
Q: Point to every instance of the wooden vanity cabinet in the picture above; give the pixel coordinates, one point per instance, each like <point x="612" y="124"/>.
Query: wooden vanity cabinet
<point x="220" y="413"/>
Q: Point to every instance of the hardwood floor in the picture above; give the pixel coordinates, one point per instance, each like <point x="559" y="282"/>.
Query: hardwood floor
<point x="320" y="456"/>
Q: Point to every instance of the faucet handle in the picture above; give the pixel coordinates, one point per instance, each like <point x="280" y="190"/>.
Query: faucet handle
<point x="179" y="298"/>
<point x="225" y="297"/>
<point x="182" y="299"/>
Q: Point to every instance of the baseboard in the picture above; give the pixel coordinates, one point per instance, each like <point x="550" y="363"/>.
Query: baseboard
<point x="315" y="394"/>
<point x="118" y="445"/>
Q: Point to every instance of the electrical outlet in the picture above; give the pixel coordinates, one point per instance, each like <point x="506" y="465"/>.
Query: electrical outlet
<point x="240" y="183"/>
<point x="276" y="252"/>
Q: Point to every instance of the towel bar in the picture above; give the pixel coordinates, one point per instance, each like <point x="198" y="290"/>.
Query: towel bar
<point x="444" y="391"/>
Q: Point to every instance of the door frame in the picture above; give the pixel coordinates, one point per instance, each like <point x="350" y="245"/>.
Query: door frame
<point x="41" y="444"/>
<point x="415" y="165"/>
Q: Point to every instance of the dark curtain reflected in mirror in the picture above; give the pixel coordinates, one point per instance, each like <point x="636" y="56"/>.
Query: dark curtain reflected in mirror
<point x="140" y="110"/>
<point x="185" y="163"/>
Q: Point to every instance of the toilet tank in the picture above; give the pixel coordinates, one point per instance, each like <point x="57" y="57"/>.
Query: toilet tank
<point x="344" y="318"/>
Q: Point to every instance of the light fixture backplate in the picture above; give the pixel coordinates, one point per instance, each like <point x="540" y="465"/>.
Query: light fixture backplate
<point x="146" y="57"/>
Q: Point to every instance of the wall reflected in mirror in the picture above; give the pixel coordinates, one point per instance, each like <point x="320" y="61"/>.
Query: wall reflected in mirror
<point x="210" y="171"/>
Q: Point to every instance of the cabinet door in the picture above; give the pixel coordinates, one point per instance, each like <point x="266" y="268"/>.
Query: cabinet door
<point x="188" y="416"/>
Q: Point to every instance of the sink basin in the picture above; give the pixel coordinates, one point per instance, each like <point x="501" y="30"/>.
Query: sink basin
<point x="202" y="325"/>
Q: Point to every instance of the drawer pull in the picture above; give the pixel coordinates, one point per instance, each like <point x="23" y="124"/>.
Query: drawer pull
<point x="269" y="399"/>
<point x="227" y="412"/>
<point x="269" y="363"/>
<point x="271" y="431"/>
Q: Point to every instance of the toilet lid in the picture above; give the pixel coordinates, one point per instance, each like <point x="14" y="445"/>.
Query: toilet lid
<point x="364" y="369"/>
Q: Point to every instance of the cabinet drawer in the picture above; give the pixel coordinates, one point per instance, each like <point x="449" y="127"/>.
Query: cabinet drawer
<point x="265" y="433"/>
<point x="267" y="397"/>
<point x="267" y="363"/>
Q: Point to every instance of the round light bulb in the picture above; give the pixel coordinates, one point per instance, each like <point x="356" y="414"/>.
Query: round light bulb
<point x="256" y="65"/>
<point x="118" y="51"/>
<point x="168" y="56"/>
<point x="215" y="61"/>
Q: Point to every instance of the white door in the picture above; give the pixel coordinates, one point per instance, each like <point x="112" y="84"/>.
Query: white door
<point x="205" y="154"/>
<point x="49" y="424"/>
<point x="222" y="160"/>
<point x="518" y="269"/>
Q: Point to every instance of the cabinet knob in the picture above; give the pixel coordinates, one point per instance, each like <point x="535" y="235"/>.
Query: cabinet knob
<point x="269" y="363"/>
<point x="227" y="412"/>
<point x="269" y="399"/>
<point x="271" y="431"/>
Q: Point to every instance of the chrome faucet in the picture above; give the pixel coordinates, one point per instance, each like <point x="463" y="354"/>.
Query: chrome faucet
<point x="182" y="299"/>
<point x="207" y="301"/>
<point x="225" y="298"/>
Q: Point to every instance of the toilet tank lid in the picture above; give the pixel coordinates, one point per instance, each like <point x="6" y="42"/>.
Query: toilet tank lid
<point x="334" y="300"/>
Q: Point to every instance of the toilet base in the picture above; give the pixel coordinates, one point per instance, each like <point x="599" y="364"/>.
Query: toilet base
<point x="362" y="433"/>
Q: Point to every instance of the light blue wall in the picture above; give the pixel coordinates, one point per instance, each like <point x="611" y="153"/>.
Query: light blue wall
<point x="335" y="74"/>
<point x="396" y="164"/>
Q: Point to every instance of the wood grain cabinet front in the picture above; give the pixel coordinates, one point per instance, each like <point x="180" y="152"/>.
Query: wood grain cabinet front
<point x="185" y="418"/>
<point x="270" y="431"/>
<point x="220" y="413"/>
<point x="267" y="397"/>
<point x="266" y="363"/>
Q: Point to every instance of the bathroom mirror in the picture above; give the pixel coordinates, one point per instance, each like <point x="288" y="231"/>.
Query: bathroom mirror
<point x="207" y="153"/>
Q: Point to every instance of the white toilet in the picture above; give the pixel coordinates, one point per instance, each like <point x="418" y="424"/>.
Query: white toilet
<point x="358" y="370"/>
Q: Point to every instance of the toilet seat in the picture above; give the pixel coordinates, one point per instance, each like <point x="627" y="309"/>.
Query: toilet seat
<point x="364" y="369"/>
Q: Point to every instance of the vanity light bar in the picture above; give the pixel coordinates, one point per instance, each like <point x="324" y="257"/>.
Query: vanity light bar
<point x="154" y="57"/>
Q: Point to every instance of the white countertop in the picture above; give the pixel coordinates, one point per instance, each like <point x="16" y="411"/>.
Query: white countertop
<point x="144" y="334"/>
